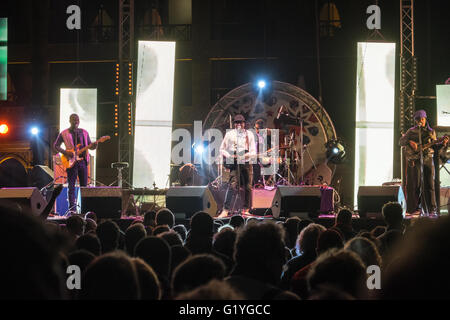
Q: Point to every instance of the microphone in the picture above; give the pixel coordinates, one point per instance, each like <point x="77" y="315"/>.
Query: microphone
<point x="279" y="112"/>
<point x="231" y="122"/>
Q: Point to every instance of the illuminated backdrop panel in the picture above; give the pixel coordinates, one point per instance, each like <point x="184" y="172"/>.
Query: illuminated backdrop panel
<point x="154" y="109"/>
<point x="375" y="88"/>
<point x="3" y="58"/>
<point x="84" y="103"/>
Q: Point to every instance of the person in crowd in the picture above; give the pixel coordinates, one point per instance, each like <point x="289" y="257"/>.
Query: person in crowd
<point x="156" y="252"/>
<point x="148" y="280"/>
<point x="74" y="227"/>
<point x="91" y="225"/>
<point x="195" y="271"/>
<point x="160" y="229"/>
<point x="343" y="224"/>
<point x="306" y="249"/>
<point x="224" y="241"/>
<point x="342" y="269"/>
<point x="366" y="250"/>
<point x="420" y="268"/>
<point x="200" y="238"/>
<point x="108" y="233"/>
<point x="172" y="238"/>
<point x="165" y="216"/>
<point x="213" y="290"/>
<point x="259" y="260"/>
<point x="291" y="228"/>
<point x="178" y="255"/>
<point x="329" y="239"/>
<point x="150" y="219"/>
<point x="89" y="242"/>
<point x="31" y="260"/>
<point x="133" y="235"/>
<point x="111" y="276"/>
<point x="182" y="231"/>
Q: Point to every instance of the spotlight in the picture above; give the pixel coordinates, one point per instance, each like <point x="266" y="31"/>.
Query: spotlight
<point x="261" y="84"/>
<point x="335" y="151"/>
<point x="34" y="131"/>
<point x="199" y="149"/>
<point x="4" y="128"/>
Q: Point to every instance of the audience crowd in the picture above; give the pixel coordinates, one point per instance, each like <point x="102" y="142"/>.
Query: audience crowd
<point x="231" y="259"/>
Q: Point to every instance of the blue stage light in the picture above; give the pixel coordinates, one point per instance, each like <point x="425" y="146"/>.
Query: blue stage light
<point x="261" y="84"/>
<point x="34" y="131"/>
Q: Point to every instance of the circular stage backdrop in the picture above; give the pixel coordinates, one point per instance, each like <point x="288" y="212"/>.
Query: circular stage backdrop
<point x="265" y="104"/>
<point x="13" y="172"/>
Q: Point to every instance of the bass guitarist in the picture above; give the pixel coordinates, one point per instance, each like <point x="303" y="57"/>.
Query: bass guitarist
<point x="238" y="149"/>
<point x="75" y="138"/>
<point x="421" y="136"/>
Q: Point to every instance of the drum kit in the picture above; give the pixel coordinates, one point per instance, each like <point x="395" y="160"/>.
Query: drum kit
<point x="280" y="165"/>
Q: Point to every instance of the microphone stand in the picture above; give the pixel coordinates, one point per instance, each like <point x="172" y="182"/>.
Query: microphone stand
<point x="423" y="199"/>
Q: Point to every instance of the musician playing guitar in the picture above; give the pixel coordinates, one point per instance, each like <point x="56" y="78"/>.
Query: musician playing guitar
<point x="238" y="149"/>
<point x="421" y="136"/>
<point x="74" y="139"/>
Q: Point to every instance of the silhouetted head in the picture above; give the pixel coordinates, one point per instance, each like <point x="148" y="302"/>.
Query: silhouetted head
<point x="156" y="252"/>
<point x="133" y="235"/>
<point x="339" y="268"/>
<point x="148" y="280"/>
<point x="110" y="277"/>
<point x="108" y="232"/>
<point x="329" y="239"/>
<point x="165" y="216"/>
<point x="393" y="214"/>
<point x="89" y="242"/>
<point x="195" y="271"/>
<point x="260" y="251"/>
<point x="344" y="217"/>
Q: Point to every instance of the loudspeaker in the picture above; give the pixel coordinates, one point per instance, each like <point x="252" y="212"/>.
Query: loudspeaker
<point x="41" y="176"/>
<point x="262" y="201"/>
<point x="296" y="201"/>
<point x="185" y="201"/>
<point x="106" y="202"/>
<point x="372" y="198"/>
<point x="26" y="200"/>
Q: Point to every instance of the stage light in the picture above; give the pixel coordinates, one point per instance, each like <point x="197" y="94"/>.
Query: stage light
<point x="335" y="151"/>
<point x="199" y="149"/>
<point x="261" y="84"/>
<point x="4" y="128"/>
<point x="34" y="131"/>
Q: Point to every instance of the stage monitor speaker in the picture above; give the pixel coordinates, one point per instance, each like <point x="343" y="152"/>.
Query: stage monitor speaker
<point x="262" y="201"/>
<point x="25" y="200"/>
<point x="41" y="176"/>
<point x="185" y="201"/>
<point x="296" y="201"/>
<point x="372" y="198"/>
<point x="106" y="202"/>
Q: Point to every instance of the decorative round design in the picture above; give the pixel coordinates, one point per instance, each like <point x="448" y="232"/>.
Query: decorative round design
<point x="265" y="104"/>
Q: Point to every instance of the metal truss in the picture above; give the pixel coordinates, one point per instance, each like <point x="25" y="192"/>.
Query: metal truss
<point x="408" y="65"/>
<point x="125" y="95"/>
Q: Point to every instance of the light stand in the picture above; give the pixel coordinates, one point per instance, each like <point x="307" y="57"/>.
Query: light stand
<point x="119" y="166"/>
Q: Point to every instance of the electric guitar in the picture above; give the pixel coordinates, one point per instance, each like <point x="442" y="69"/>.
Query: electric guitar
<point x="70" y="162"/>
<point x="415" y="155"/>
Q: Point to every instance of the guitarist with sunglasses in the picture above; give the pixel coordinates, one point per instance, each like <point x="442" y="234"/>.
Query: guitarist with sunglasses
<point x="417" y="138"/>
<point x="238" y="149"/>
<point x="75" y="138"/>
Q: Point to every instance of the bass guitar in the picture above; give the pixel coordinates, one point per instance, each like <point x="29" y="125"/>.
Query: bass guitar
<point x="70" y="162"/>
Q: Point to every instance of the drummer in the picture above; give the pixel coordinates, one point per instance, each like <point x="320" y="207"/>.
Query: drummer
<point x="260" y="138"/>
